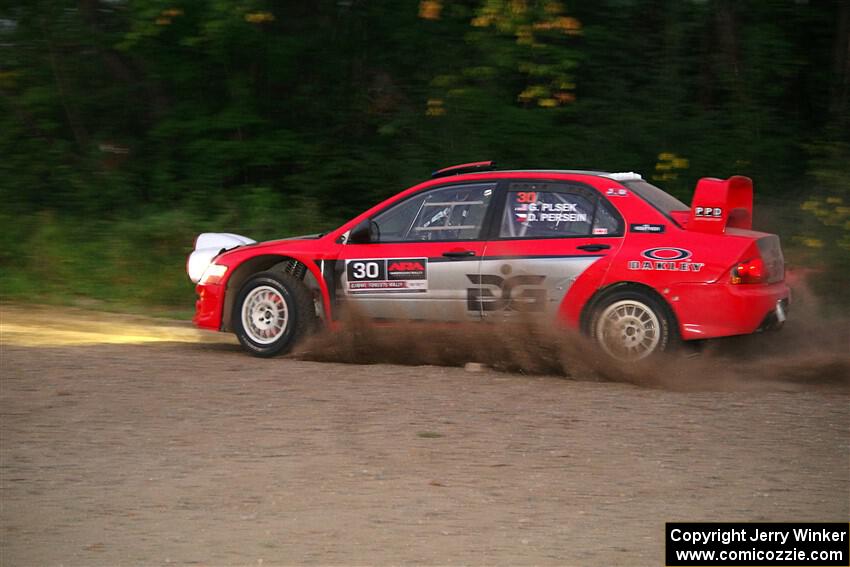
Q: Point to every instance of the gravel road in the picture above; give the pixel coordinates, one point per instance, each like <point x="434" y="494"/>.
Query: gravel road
<point x="181" y="449"/>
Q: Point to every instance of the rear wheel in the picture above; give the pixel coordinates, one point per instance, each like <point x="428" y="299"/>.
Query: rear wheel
<point x="272" y="312"/>
<point x="631" y="325"/>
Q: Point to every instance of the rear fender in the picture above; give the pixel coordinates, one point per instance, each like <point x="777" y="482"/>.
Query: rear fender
<point x="580" y="292"/>
<point x="600" y="294"/>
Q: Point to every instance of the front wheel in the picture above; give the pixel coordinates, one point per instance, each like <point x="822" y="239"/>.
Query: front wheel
<point x="631" y="325"/>
<point x="272" y="312"/>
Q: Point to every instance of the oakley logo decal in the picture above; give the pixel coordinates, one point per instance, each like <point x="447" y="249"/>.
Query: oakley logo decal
<point x="666" y="254"/>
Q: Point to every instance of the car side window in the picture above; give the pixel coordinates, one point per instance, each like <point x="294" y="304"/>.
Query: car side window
<point x="606" y="222"/>
<point x="555" y="210"/>
<point x="446" y="213"/>
<point x="534" y="211"/>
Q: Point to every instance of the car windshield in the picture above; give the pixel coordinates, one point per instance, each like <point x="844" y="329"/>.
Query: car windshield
<point x="662" y="201"/>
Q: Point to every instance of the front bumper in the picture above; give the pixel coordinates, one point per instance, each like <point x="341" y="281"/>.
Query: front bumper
<point x="707" y="311"/>
<point x="208" y="307"/>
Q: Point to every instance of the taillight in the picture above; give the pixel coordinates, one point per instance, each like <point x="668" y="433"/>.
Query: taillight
<point x="748" y="272"/>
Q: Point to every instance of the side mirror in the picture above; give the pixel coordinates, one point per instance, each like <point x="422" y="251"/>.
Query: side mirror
<point x="365" y="232"/>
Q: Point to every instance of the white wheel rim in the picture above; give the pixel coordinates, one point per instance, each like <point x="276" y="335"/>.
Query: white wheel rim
<point x="264" y="315"/>
<point x="628" y="330"/>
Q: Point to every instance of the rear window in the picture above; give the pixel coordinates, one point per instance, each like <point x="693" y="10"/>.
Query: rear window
<point x="662" y="201"/>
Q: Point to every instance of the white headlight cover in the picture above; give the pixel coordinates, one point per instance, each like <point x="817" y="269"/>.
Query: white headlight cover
<point x="199" y="261"/>
<point x="213" y="274"/>
<point x="221" y="240"/>
<point x="209" y="245"/>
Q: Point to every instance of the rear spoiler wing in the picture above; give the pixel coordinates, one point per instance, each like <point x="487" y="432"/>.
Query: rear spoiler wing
<point x="719" y="204"/>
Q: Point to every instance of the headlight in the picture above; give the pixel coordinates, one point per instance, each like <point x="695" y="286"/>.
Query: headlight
<point x="213" y="274"/>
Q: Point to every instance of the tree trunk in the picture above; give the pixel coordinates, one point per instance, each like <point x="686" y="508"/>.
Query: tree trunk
<point x="840" y="87"/>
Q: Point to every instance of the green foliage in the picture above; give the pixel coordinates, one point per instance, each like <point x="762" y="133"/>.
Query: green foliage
<point x="131" y="261"/>
<point x="825" y="228"/>
<point x="130" y="125"/>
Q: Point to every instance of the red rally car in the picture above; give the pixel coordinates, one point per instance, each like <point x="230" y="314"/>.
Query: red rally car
<point x="608" y="253"/>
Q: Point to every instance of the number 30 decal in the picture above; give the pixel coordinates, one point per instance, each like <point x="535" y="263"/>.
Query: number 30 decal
<point x="365" y="270"/>
<point x="396" y="275"/>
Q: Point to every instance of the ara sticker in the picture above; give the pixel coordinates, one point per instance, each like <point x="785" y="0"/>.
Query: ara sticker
<point x="396" y="275"/>
<point x="651" y="228"/>
<point x="666" y="259"/>
<point x="616" y="192"/>
<point x="600" y="231"/>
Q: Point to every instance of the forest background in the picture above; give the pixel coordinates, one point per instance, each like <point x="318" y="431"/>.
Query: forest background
<point x="129" y="126"/>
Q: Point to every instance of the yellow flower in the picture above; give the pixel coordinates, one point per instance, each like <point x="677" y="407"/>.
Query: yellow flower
<point x="565" y="98"/>
<point x="259" y="17"/>
<point x="7" y="78"/>
<point x="533" y="92"/>
<point x="430" y="9"/>
<point x="435" y="107"/>
<point x="553" y="7"/>
<point x="524" y="35"/>
<point x="570" y="26"/>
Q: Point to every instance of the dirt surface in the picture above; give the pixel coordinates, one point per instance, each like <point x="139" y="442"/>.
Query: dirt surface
<point x="188" y="451"/>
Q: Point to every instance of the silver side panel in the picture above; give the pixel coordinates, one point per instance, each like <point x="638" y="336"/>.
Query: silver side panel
<point x="441" y="295"/>
<point x="533" y="286"/>
<point x="469" y="290"/>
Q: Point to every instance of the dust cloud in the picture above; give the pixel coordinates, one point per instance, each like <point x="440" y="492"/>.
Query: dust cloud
<point x="811" y="351"/>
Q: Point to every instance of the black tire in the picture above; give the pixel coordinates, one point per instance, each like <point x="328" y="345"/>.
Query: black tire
<point x="272" y="312"/>
<point x="631" y="325"/>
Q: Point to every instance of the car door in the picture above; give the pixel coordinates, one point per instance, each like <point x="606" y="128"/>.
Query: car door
<point x="423" y="256"/>
<point x="546" y="235"/>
